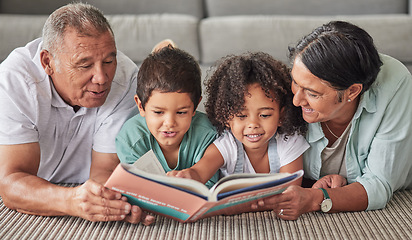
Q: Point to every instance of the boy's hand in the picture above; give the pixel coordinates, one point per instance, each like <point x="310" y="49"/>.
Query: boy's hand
<point x="185" y="173"/>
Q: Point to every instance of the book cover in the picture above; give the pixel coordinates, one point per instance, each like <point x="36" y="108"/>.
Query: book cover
<point x="187" y="200"/>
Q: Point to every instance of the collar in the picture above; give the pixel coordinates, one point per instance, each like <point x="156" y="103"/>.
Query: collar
<point x="367" y="101"/>
<point x="56" y="99"/>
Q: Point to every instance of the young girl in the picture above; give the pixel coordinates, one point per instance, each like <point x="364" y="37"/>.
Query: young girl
<point x="250" y="104"/>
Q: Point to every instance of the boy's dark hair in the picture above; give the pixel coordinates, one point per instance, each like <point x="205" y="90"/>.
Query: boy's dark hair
<point x="169" y="70"/>
<point x="227" y="87"/>
<point x="340" y="53"/>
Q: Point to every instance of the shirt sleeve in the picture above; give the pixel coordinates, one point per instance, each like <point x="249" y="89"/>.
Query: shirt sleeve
<point x="133" y="140"/>
<point x="291" y="148"/>
<point x="387" y="166"/>
<point x="18" y="113"/>
<point x="227" y="147"/>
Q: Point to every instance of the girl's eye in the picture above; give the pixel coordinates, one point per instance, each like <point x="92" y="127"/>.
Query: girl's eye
<point x="265" y="115"/>
<point x="241" y="117"/>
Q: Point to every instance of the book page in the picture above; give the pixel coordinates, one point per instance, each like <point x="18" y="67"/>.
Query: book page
<point x="149" y="163"/>
<point x="250" y="178"/>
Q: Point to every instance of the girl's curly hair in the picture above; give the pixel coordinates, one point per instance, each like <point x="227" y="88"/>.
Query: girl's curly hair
<point x="227" y="86"/>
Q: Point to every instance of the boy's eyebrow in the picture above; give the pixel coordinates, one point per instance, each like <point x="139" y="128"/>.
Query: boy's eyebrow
<point x="180" y="108"/>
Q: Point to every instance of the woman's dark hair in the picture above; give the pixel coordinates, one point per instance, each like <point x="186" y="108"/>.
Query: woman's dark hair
<point x="227" y="86"/>
<point x="169" y="70"/>
<point x="339" y="53"/>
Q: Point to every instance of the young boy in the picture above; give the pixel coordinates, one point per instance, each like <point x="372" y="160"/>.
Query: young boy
<point x="168" y="93"/>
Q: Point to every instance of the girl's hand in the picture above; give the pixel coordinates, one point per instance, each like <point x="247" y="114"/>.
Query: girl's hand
<point x="330" y="181"/>
<point x="185" y="173"/>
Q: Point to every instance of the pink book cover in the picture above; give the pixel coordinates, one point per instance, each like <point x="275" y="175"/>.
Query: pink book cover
<point x="160" y="197"/>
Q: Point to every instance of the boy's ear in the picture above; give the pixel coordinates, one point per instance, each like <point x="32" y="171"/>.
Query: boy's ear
<point x="139" y="105"/>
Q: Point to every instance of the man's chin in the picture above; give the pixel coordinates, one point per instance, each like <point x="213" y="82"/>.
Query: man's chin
<point x="94" y="104"/>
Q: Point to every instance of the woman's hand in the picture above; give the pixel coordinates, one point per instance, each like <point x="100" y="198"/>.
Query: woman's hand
<point x="293" y="202"/>
<point x="330" y="181"/>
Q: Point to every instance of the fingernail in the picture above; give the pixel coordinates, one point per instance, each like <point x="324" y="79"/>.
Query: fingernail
<point x="122" y="216"/>
<point x="127" y="209"/>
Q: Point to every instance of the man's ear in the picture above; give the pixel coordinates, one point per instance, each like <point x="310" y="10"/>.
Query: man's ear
<point x="46" y="62"/>
<point x="354" y="91"/>
<point x="139" y="105"/>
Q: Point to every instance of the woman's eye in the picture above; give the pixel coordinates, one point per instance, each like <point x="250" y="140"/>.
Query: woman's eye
<point x="312" y="95"/>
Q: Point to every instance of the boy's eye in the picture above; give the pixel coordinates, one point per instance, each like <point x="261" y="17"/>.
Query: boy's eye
<point x="181" y="112"/>
<point x="158" y="112"/>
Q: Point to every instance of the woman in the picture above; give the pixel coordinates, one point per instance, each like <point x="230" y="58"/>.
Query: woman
<point x="359" y="108"/>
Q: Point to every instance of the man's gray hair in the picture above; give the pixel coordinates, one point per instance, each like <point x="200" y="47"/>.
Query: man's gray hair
<point x="85" y="19"/>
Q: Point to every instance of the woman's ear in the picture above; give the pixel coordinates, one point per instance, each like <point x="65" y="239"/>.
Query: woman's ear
<point x="46" y="62"/>
<point x="139" y="105"/>
<point x="354" y="91"/>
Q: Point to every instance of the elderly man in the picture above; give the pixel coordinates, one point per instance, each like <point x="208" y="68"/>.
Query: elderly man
<point x="63" y="99"/>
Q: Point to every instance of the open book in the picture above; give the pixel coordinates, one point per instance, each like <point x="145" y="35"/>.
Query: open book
<point x="187" y="200"/>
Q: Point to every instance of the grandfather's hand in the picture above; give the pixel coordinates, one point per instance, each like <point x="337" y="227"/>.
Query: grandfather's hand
<point x="94" y="202"/>
<point x="290" y="204"/>
<point x="330" y="181"/>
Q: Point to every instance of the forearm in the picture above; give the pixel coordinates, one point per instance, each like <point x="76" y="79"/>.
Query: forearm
<point x="32" y="195"/>
<point x="350" y="198"/>
<point x="100" y="175"/>
<point x="103" y="164"/>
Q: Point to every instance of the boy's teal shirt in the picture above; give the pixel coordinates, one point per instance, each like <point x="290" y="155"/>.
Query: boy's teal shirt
<point x="135" y="139"/>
